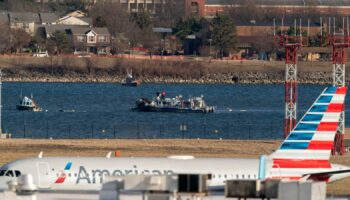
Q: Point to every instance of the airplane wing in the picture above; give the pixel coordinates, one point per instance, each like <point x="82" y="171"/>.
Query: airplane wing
<point x="323" y="176"/>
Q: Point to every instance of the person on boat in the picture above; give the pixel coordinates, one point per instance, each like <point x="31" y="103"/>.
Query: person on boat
<point x="158" y="97"/>
<point x="163" y="94"/>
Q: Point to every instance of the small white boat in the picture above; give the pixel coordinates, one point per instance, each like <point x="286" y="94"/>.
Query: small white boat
<point x="29" y="104"/>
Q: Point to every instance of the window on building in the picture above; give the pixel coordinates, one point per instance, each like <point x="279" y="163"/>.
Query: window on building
<point x="80" y="38"/>
<point x="102" y="38"/>
<point x="91" y="39"/>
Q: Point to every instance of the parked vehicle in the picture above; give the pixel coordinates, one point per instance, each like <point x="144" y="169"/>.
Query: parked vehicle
<point x="41" y="54"/>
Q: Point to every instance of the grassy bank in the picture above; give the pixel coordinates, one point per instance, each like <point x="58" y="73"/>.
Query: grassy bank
<point x="21" y="148"/>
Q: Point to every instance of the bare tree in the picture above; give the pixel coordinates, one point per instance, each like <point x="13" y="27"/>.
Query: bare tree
<point x="4" y="37"/>
<point x="111" y="14"/>
<point x="18" y="39"/>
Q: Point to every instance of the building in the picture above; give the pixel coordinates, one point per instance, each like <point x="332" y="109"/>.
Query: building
<point x="188" y="7"/>
<point x="24" y="20"/>
<point x="91" y="40"/>
<point x="257" y="37"/>
<point x="326" y="7"/>
<point x="48" y="18"/>
<point x="83" y="38"/>
<point x="4" y="18"/>
<point x="70" y="20"/>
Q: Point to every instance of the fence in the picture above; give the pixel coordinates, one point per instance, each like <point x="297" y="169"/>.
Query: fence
<point x="141" y="130"/>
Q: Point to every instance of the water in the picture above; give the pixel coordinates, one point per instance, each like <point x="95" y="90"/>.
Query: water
<point x="103" y="111"/>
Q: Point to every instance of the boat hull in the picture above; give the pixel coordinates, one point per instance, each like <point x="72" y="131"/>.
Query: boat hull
<point x="19" y="107"/>
<point x="132" y="84"/>
<point x="170" y="109"/>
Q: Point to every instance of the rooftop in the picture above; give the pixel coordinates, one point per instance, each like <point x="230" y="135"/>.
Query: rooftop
<point x="78" y="30"/>
<point x="48" y="17"/>
<point x="24" y="17"/>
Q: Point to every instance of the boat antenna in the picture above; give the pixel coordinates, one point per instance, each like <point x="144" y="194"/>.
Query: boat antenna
<point x="31" y="95"/>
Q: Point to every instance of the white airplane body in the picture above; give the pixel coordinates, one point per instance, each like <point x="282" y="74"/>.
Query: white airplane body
<point x="303" y="155"/>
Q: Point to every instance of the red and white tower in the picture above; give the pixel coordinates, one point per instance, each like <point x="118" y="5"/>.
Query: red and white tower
<point x="340" y="42"/>
<point x="291" y="43"/>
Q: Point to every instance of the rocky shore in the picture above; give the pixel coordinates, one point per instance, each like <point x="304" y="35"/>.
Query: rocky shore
<point x="229" y="78"/>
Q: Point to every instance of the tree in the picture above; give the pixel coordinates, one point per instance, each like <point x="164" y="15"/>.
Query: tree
<point x="142" y="19"/>
<point x="21" y="5"/>
<point x="4" y="37"/>
<point x="120" y="23"/>
<point x="18" y="39"/>
<point x="59" y="43"/>
<point x="318" y="40"/>
<point x="223" y="34"/>
<point x="185" y="27"/>
<point x="67" y="6"/>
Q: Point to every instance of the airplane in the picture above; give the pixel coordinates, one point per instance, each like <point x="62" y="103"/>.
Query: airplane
<point x="303" y="155"/>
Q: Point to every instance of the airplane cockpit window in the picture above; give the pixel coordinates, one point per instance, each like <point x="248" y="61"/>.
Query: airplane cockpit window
<point x="17" y="173"/>
<point x="2" y="172"/>
<point x="9" y="173"/>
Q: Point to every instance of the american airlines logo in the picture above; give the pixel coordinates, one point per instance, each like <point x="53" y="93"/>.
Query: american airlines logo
<point x="62" y="177"/>
<point x="95" y="176"/>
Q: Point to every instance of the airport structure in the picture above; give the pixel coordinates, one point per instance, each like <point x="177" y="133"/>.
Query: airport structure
<point x="340" y="41"/>
<point x="291" y="44"/>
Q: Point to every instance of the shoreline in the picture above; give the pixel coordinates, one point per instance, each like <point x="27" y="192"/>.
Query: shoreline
<point x="316" y="78"/>
<point x="113" y="70"/>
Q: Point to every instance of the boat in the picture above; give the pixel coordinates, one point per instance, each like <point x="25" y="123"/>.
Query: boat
<point x="29" y="104"/>
<point x="177" y="104"/>
<point x="130" y="81"/>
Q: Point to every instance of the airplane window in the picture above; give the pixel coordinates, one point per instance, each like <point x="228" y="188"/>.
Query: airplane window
<point x="17" y="173"/>
<point x="237" y="176"/>
<point x="219" y="175"/>
<point x="254" y="175"/>
<point x="243" y="176"/>
<point x="9" y="173"/>
<point x="225" y="175"/>
<point x="53" y="169"/>
<point x="248" y="176"/>
<point x="69" y="174"/>
<point x="75" y="174"/>
<point x="213" y="175"/>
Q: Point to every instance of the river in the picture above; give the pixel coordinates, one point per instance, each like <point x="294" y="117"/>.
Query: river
<point x="102" y="110"/>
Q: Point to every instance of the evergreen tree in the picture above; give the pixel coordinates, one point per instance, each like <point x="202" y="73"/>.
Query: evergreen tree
<point x="60" y="42"/>
<point x="185" y="27"/>
<point x="223" y="34"/>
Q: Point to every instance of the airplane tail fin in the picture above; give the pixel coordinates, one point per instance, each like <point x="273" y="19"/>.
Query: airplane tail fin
<point x="310" y="143"/>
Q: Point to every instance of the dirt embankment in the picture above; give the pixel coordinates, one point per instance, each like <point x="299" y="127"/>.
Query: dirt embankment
<point x="20" y="148"/>
<point x="103" y="69"/>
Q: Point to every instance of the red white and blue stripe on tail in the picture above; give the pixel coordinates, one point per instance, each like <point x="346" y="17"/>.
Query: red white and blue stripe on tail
<point x="308" y="146"/>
